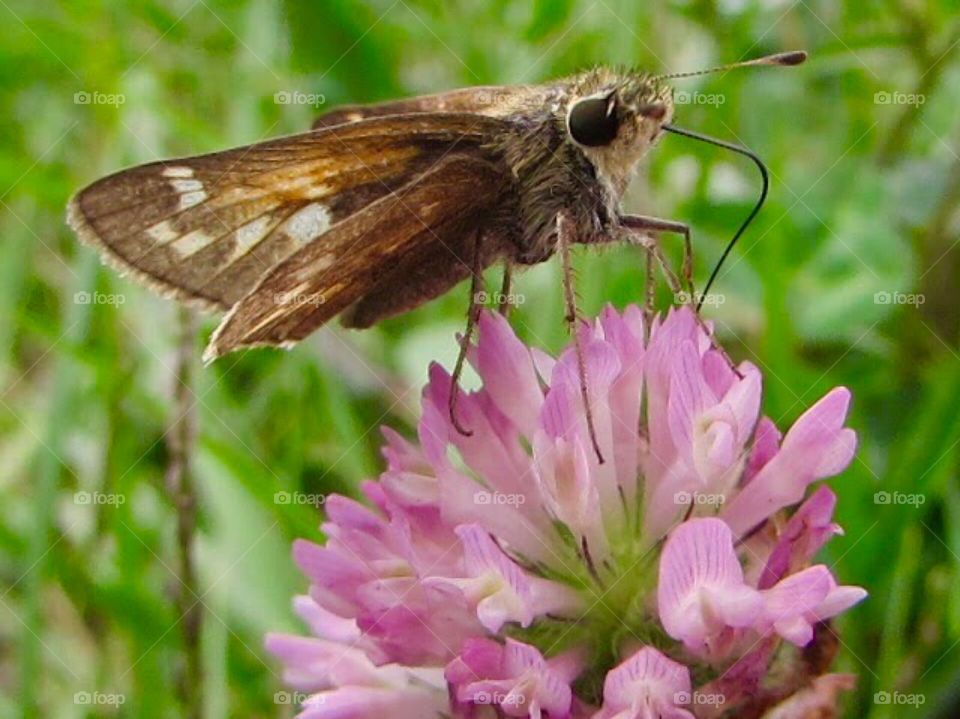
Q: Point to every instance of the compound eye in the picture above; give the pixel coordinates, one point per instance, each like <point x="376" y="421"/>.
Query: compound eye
<point x="593" y="122"/>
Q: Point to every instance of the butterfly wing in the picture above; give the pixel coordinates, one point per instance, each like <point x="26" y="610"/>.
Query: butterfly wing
<point x="417" y="241"/>
<point x="488" y="100"/>
<point x="205" y="229"/>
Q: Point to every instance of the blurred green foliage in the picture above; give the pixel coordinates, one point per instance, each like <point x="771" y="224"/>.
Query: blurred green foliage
<point x="864" y="201"/>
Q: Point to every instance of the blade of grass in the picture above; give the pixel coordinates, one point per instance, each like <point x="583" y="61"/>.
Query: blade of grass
<point x="46" y="476"/>
<point x="899" y="601"/>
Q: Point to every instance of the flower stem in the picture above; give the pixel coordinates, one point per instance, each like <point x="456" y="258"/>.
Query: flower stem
<point x="180" y="485"/>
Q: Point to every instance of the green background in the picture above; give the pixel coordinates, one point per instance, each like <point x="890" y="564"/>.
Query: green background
<point x="864" y="201"/>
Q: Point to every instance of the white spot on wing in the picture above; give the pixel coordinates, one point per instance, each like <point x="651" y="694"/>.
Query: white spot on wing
<point x="248" y="235"/>
<point x="183" y="183"/>
<point x="307" y="223"/>
<point x="178" y="171"/>
<point x="163" y="232"/>
<point x="189" y="199"/>
<point x="180" y="185"/>
<point x="192" y="243"/>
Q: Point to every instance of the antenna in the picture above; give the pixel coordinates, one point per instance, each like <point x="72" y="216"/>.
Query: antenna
<point x="780" y="59"/>
<point x="765" y="176"/>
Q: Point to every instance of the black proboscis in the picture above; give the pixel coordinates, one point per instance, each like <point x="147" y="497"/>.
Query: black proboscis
<point x="765" y="177"/>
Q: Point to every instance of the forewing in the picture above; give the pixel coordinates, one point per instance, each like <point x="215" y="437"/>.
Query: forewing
<point x="489" y="100"/>
<point x="205" y="229"/>
<point x="356" y="255"/>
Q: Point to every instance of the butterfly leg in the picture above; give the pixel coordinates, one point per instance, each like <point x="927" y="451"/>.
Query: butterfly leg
<point x="476" y="295"/>
<point x="564" y="240"/>
<point x="638" y="229"/>
<point x="504" y="305"/>
<point x="649" y="288"/>
<point x="655" y="255"/>
<point x="644" y="225"/>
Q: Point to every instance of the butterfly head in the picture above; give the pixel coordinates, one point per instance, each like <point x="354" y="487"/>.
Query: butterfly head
<point x="614" y="119"/>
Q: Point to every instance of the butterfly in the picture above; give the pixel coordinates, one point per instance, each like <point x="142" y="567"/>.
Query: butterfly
<point x="380" y="208"/>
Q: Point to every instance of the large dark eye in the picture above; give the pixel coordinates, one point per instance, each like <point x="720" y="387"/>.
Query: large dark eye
<point x="593" y="122"/>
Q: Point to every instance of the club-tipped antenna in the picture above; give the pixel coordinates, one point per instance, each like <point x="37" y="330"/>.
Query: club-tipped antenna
<point x="780" y="59"/>
<point x="765" y="177"/>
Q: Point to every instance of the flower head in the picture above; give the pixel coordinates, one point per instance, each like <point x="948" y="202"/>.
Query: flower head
<point x="508" y="572"/>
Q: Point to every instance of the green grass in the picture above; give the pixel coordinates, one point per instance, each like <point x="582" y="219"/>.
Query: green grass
<point x="863" y="201"/>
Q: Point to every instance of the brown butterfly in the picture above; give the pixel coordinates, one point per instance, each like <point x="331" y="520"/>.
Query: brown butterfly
<point x="380" y="208"/>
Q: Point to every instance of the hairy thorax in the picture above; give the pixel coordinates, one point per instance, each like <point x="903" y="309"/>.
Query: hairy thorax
<point x="549" y="176"/>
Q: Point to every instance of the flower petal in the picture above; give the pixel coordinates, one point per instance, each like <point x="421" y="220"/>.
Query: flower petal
<point x="647" y="685"/>
<point x="789" y="604"/>
<point x="507" y="371"/>
<point x="817" y="446"/>
<point x="514" y="677"/>
<point x="701" y="589"/>
<point x="500" y="590"/>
